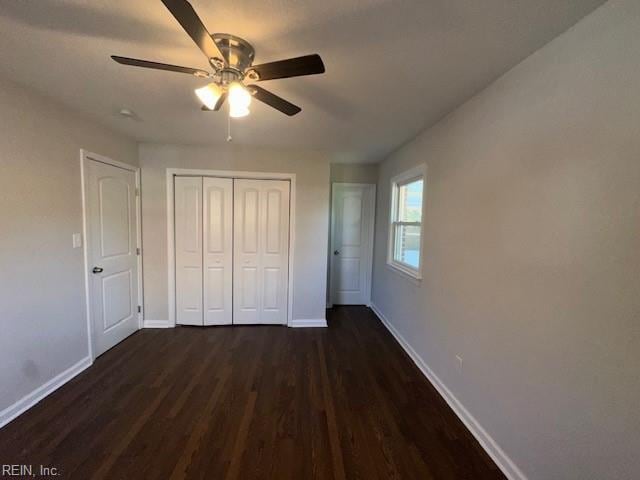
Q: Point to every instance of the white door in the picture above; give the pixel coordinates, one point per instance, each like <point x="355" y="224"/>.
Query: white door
<point x="218" y="250"/>
<point x="188" y="241"/>
<point x="352" y="218"/>
<point x="112" y="253"/>
<point x="261" y="251"/>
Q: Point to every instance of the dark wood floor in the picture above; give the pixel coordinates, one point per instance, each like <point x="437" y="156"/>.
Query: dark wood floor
<point x="250" y="402"/>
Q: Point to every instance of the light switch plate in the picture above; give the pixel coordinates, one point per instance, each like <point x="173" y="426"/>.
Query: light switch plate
<point x="460" y="362"/>
<point x="77" y="240"/>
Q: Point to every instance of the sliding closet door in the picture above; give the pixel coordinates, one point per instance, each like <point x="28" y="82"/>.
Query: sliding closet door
<point x="188" y="226"/>
<point x="218" y="250"/>
<point x="261" y="251"/>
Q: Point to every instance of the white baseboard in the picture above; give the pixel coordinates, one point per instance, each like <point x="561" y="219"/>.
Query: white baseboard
<point x="156" y="324"/>
<point x="308" y="323"/>
<point x="502" y="460"/>
<point x="300" y="323"/>
<point x="39" y="393"/>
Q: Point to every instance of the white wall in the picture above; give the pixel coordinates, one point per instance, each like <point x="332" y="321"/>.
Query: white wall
<point x="43" y="328"/>
<point x="532" y="253"/>
<point x="312" y="215"/>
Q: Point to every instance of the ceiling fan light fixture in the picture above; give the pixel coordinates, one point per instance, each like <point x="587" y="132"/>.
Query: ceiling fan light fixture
<point x="209" y="95"/>
<point x="239" y="96"/>
<point x="238" y="112"/>
<point x="239" y="100"/>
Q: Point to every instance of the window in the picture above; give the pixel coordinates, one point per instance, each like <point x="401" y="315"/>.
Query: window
<point x="405" y="231"/>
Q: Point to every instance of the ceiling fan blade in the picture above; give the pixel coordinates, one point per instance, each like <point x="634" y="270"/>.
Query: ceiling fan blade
<point x="274" y="101"/>
<point x="189" y="20"/>
<point x="134" y="62"/>
<point x="218" y="106"/>
<point x="293" y="67"/>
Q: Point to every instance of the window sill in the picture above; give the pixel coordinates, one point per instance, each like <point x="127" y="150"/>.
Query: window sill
<point x="413" y="277"/>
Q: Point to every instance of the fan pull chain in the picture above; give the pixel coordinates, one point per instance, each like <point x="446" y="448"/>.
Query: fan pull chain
<point x="229" y="137"/>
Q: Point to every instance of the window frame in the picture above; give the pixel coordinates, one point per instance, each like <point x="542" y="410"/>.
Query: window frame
<point x="409" y="176"/>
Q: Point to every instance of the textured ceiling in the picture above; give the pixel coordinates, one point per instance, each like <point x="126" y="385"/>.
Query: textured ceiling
<point x="393" y="66"/>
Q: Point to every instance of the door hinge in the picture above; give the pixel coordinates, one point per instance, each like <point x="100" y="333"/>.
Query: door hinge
<point x="137" y="192"/>
<point x="137" y="250"/>
<point x="139" y="309"/>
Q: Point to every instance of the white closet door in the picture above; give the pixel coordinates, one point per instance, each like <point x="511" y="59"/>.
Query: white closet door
<point x="261" y="251"/>
<point x="218" y="250"/>
<point x="188" y="241"/>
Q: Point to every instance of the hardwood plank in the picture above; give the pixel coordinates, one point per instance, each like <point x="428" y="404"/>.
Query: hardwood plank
<point x="334" y="438"/>
<point x="241" y="438"/>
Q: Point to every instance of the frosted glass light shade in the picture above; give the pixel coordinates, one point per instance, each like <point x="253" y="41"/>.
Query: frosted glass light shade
<point x="209" y="95"/>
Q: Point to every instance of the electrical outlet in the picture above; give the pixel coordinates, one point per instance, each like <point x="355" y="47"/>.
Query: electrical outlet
<point x="76" y="240"/>
<point x="460" y="362"/>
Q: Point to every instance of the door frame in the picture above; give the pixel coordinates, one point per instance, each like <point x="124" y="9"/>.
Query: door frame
<point x="237" y="174"/>
<point x="370" y="234"/>
<point x="86" y="156"/>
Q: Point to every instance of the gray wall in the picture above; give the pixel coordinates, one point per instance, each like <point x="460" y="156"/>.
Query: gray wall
<point x="312" y="215"/>
<point x="354" y="173"/>
<point x="532" y="253"/>
<point x="43" y="328"/>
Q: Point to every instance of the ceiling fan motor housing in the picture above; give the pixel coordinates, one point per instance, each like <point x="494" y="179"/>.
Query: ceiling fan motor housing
<point x="227" y="76"/>
<point x="238" y="54"/>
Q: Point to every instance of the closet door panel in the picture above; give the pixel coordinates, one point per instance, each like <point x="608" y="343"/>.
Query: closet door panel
<point x="274" y="251"/>
<point x="188" y="245"/>
<point x="246" y="258"/>
<point x="248" y="292"/>
<point x="261" y="251"/>
<point x="218" y="250"/>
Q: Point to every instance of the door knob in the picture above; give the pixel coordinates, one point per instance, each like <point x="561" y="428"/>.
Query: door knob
<point x="336" y="252"/>
<point x="97" y="270"/>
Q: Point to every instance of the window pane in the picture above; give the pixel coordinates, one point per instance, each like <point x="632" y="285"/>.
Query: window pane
<point x="410" y="202"/>
<point x="407" y="245"/>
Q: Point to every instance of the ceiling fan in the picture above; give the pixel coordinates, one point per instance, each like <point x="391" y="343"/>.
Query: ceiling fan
<point x="231" y="58"/>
